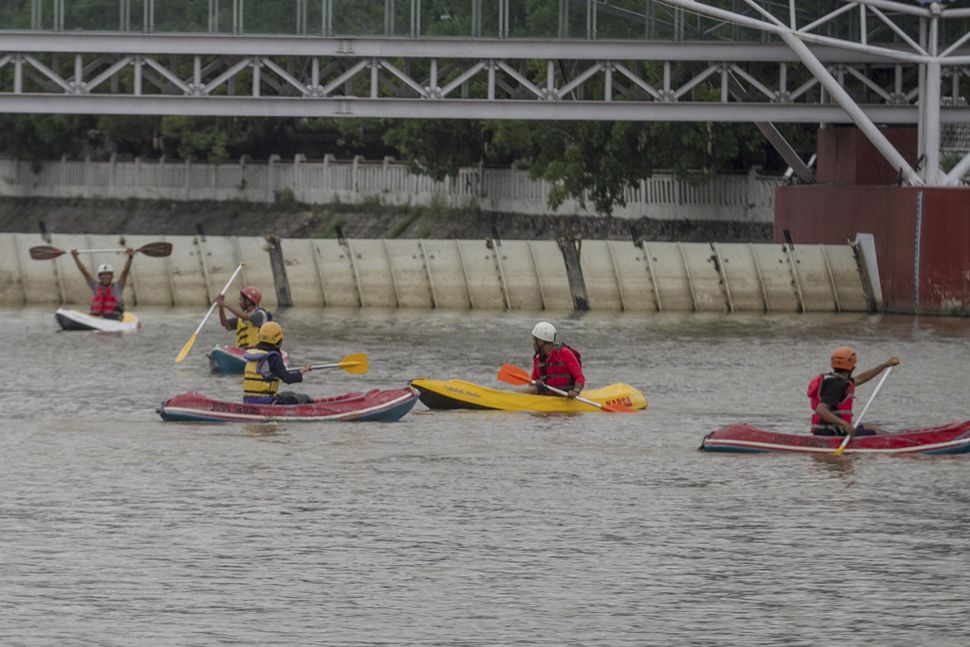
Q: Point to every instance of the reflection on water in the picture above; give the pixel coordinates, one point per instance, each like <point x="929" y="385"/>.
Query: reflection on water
<point x="478" y="528"/>
<point x="261" y="429"/>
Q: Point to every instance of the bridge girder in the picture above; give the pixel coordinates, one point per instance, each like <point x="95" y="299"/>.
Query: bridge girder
<point x="158" y="74"/>
<point x="802" y="74"/>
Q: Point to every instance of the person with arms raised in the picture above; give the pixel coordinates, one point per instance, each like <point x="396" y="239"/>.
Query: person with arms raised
<point x="832" y="394"/>
<point x="107" y="299"/>
<point x="554" y="365"/>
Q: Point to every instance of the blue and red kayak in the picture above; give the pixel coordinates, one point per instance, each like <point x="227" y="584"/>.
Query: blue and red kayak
<point x="229" y="359"/>
<point x="953" y="438"/>
<point x="375" y="405"/>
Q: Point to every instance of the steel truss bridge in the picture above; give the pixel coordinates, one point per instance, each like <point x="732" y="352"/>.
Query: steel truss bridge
<point x="866" y="62"/>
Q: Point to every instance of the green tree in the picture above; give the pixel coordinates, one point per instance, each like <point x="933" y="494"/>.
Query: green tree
<point x="45" y="137"/>
<point x="439" y="147"/>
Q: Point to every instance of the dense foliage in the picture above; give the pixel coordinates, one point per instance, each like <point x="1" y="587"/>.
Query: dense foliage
<point x="594" y="159"/>
<point x="597" y="161"/>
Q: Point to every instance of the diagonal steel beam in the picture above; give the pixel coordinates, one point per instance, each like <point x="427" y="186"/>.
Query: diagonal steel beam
<point x="858" y="116"/>
<point x="791" y="157"/>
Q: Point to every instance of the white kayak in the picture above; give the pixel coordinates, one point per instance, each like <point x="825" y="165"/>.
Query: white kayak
<point x="77" y="320"/>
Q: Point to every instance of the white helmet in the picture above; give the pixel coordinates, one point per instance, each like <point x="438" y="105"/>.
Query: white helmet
<point x="544" y="331"/>
<point x="104" y="267"/>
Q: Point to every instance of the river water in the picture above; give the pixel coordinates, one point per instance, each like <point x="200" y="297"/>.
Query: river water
<point x="478" y="528"/>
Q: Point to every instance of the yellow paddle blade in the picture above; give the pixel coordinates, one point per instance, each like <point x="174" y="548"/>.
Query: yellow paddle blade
<point x="355" y="363"/>
<point x="845" y="443"/>
<point x="185" y="349"/>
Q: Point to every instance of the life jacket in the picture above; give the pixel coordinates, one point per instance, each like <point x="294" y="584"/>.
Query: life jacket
<point x="247" y="335"/>
<point x="104" y="302"/>
<point x="260" y="385"/>
<point x="553" y="370"/>
<point x="844" y="408"/>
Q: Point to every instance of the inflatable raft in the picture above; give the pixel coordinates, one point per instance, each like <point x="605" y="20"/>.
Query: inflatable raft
<point x="953" y="438"/>
<point x="229" y="359"/>
<point x="77" y="320"/>
<point x="459" y="394"/>
<point x="374" y="405"/>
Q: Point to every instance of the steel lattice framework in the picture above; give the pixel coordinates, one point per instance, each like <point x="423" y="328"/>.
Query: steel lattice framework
<point x="897" y="64"/>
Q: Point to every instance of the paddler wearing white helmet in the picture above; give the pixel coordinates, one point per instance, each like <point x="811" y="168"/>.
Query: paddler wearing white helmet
<point x="107" y="299"/>
<point x="554" y="364"/>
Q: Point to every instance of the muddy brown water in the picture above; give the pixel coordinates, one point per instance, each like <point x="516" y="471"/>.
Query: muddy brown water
<point x="478" y="528"/>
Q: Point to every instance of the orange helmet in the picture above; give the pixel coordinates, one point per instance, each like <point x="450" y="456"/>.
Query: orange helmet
<point x="843" y="358"/>
<point x="252" y="293"/>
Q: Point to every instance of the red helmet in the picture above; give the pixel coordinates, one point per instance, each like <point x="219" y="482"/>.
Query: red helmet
<point x="252" y="293"/>
<point x="843" y="358"/>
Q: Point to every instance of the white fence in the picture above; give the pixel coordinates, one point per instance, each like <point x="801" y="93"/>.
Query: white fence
<point x="735" y="198"/>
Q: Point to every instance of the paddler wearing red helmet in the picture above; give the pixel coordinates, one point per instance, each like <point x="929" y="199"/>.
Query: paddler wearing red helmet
<point x="247" y="319"/>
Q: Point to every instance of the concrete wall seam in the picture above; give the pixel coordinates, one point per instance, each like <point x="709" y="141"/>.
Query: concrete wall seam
<point x="459" y="274"/>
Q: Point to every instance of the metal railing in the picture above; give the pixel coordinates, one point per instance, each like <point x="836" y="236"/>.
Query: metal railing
<point x="746" y="198"/>
<point x="561" y="19"/>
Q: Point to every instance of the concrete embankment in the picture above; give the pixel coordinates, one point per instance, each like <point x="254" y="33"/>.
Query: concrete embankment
<point x="631" y="275"/>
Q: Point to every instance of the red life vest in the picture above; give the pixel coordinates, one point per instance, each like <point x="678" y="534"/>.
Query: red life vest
<point x="844" y="408"/>
<point x="104" y="302"/>
<point x="554" y="371"/>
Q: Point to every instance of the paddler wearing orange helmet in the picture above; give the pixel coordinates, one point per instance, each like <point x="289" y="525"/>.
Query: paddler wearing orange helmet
<point x="831" y="394"/>
<point x="248" y="319"/>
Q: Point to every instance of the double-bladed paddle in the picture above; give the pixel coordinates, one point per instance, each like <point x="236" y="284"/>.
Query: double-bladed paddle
<point x="47" y="253"/>
<point x="845" y="443"/>
<point x="188" y="345"/>
<point x="354" y="363"/>
<point x="511" y="374"/>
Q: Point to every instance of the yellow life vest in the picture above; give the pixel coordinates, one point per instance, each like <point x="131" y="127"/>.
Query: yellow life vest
<point x="259" y="383"/>
<point x="247" y="335"/>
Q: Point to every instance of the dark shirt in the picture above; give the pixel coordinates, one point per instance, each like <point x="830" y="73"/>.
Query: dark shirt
<point x="257" y="317"/>
<point x="833" y="390"/>
<point x="276" y="365"/>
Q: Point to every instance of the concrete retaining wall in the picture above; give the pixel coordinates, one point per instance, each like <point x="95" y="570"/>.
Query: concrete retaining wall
<point x="456" y="274"/>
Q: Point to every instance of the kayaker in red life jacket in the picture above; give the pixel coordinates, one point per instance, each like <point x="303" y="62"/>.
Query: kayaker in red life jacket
<point x="265" y="370"/>
<point x="248" y="319"/>
<point x="832" y="394"/>
<point x="108" y="298"/>
<point x="553" y="364"/>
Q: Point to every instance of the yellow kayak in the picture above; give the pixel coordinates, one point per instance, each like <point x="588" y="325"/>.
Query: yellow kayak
<point x="459" y="394"/>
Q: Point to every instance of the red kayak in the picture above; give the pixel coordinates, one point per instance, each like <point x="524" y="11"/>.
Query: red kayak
<point x="374" y="405"/>
<point x="953" y="438"/>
